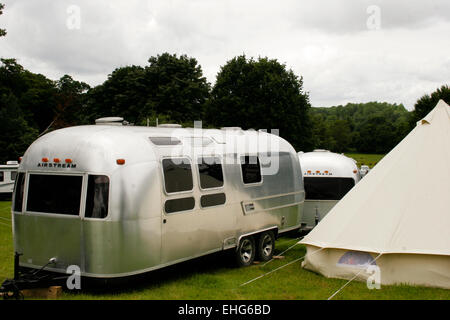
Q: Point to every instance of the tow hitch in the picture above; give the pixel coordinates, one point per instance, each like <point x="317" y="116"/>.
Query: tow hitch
<point x="11" y="288"/>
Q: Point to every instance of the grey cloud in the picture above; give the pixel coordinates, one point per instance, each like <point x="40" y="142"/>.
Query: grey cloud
<point x="325" y="41"/>
<point x="352" y="15"/>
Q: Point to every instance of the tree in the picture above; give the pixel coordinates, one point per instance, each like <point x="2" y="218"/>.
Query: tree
<point x="261" y="94"/>
<point x="341" y="133"/>
<point x="123" y="94"/>
<point x="70" y="96"/>
<point x="34" y="92"/>
<point x="11" y="77"/>
<point x="45" y="104"/>
<point x="427" y="102"/>
<point x="178" y="88"/>
<point x="170" y="87"/>
<point x="16" y="134"/>
<point x="376" y="136"/>
<point x="2" y="31"/>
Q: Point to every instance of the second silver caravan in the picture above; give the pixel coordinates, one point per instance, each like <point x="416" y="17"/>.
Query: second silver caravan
<point x="327" y="177"/>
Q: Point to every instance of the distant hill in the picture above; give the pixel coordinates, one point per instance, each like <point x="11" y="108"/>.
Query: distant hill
<point x="373" y="127"/>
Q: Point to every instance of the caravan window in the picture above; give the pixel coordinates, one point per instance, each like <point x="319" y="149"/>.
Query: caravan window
<point x="59" y="194"/>
<point x="182" y="204"/>
<point x="251" y="169"/>
<point x="210" y="172"/>
<point x="177" y="175"/>
<point x="325" y="188"/>
<point x="97" y="197"/>
<point x="18" y="195"/>
<point x="211" y="200"/>
<point x="2" y="176"/>
<point x="165" y="141"/>
<point x="13" y="175"/>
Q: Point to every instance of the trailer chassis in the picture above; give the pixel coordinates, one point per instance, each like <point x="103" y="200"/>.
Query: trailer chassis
<point x="12" y="288"/>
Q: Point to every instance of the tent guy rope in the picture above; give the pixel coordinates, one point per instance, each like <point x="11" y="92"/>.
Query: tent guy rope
<point x="281" y="267"/>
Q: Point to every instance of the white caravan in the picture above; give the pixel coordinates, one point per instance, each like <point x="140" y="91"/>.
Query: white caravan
<point x="8" y="174"/>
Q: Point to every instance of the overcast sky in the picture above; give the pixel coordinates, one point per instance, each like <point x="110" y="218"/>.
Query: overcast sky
<point x="346" y="51"/>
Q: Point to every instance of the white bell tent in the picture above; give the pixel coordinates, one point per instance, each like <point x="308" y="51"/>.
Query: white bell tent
<point x="397" y="218"/>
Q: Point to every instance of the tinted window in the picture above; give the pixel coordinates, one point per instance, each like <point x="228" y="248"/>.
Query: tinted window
<point x="97" y="197"/>
<point x="210" y="171"/>
<point x="251" y="170"/>
<point x="13" y="175"/>
<point x="324" y="188"/>
<point x="54" y="194"/>
<point x="177" y="175"/>
<point x="2" y="176"/>
<point x="182" y="204"/>
<point x="211" y="200"/>
<point x="165" y="141"/>
<point x="18" y="192"/>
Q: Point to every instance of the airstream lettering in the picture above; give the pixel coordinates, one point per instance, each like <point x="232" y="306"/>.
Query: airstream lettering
<point x="134" y="199"/>
<point x="56" y="165"/>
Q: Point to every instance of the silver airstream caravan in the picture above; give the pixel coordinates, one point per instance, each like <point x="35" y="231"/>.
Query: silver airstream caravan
<point x="327" y="177"/>
<point x="118" y="200"/>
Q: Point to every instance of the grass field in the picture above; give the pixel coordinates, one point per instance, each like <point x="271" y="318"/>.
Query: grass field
<point x="368" y="159"/>
<point x="215" y="277"/>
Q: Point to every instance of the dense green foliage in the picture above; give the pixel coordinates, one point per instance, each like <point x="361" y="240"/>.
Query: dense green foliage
<point x="31" y="104"/>
<point x="170" y="87"/>
<point x="427" y="102"/>
<point x="261" y="94"/>
<point x="15" y="133"/>
<point x="372" y="127"/>
<point x="2" y="31"/>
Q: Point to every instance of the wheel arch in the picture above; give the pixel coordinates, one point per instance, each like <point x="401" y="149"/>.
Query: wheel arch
<point x="257" y="234"/>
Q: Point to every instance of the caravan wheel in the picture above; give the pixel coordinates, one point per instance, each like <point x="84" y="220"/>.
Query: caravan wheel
<point x="266" y="246"/>
<point x="245" y="253"/>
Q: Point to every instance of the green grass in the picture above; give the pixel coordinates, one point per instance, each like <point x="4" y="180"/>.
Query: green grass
<point x="6" y="245"/>
<point x="215" y="277"/>
<point x="366" y="159"/>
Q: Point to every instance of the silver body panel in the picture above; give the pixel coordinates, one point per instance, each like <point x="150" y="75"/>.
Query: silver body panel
<point x="315" y="211"/>
<point x="137" y="235"/>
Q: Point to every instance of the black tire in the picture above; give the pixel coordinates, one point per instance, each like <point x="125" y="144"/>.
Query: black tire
<point x="266" y="246"/>
<point x="245" y="253"/>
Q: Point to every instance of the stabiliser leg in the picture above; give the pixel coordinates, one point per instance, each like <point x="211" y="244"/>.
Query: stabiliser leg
<point x="9" y="287"/>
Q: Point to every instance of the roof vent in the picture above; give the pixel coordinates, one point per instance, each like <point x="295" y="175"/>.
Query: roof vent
<point x="169" y="125"/>
<point x="111" y="121"/>
<point x="321" y="150"/>
<point x="12" y="162"/>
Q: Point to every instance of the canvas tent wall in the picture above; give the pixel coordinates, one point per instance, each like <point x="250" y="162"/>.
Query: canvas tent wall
<point x="397" y="218"/>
